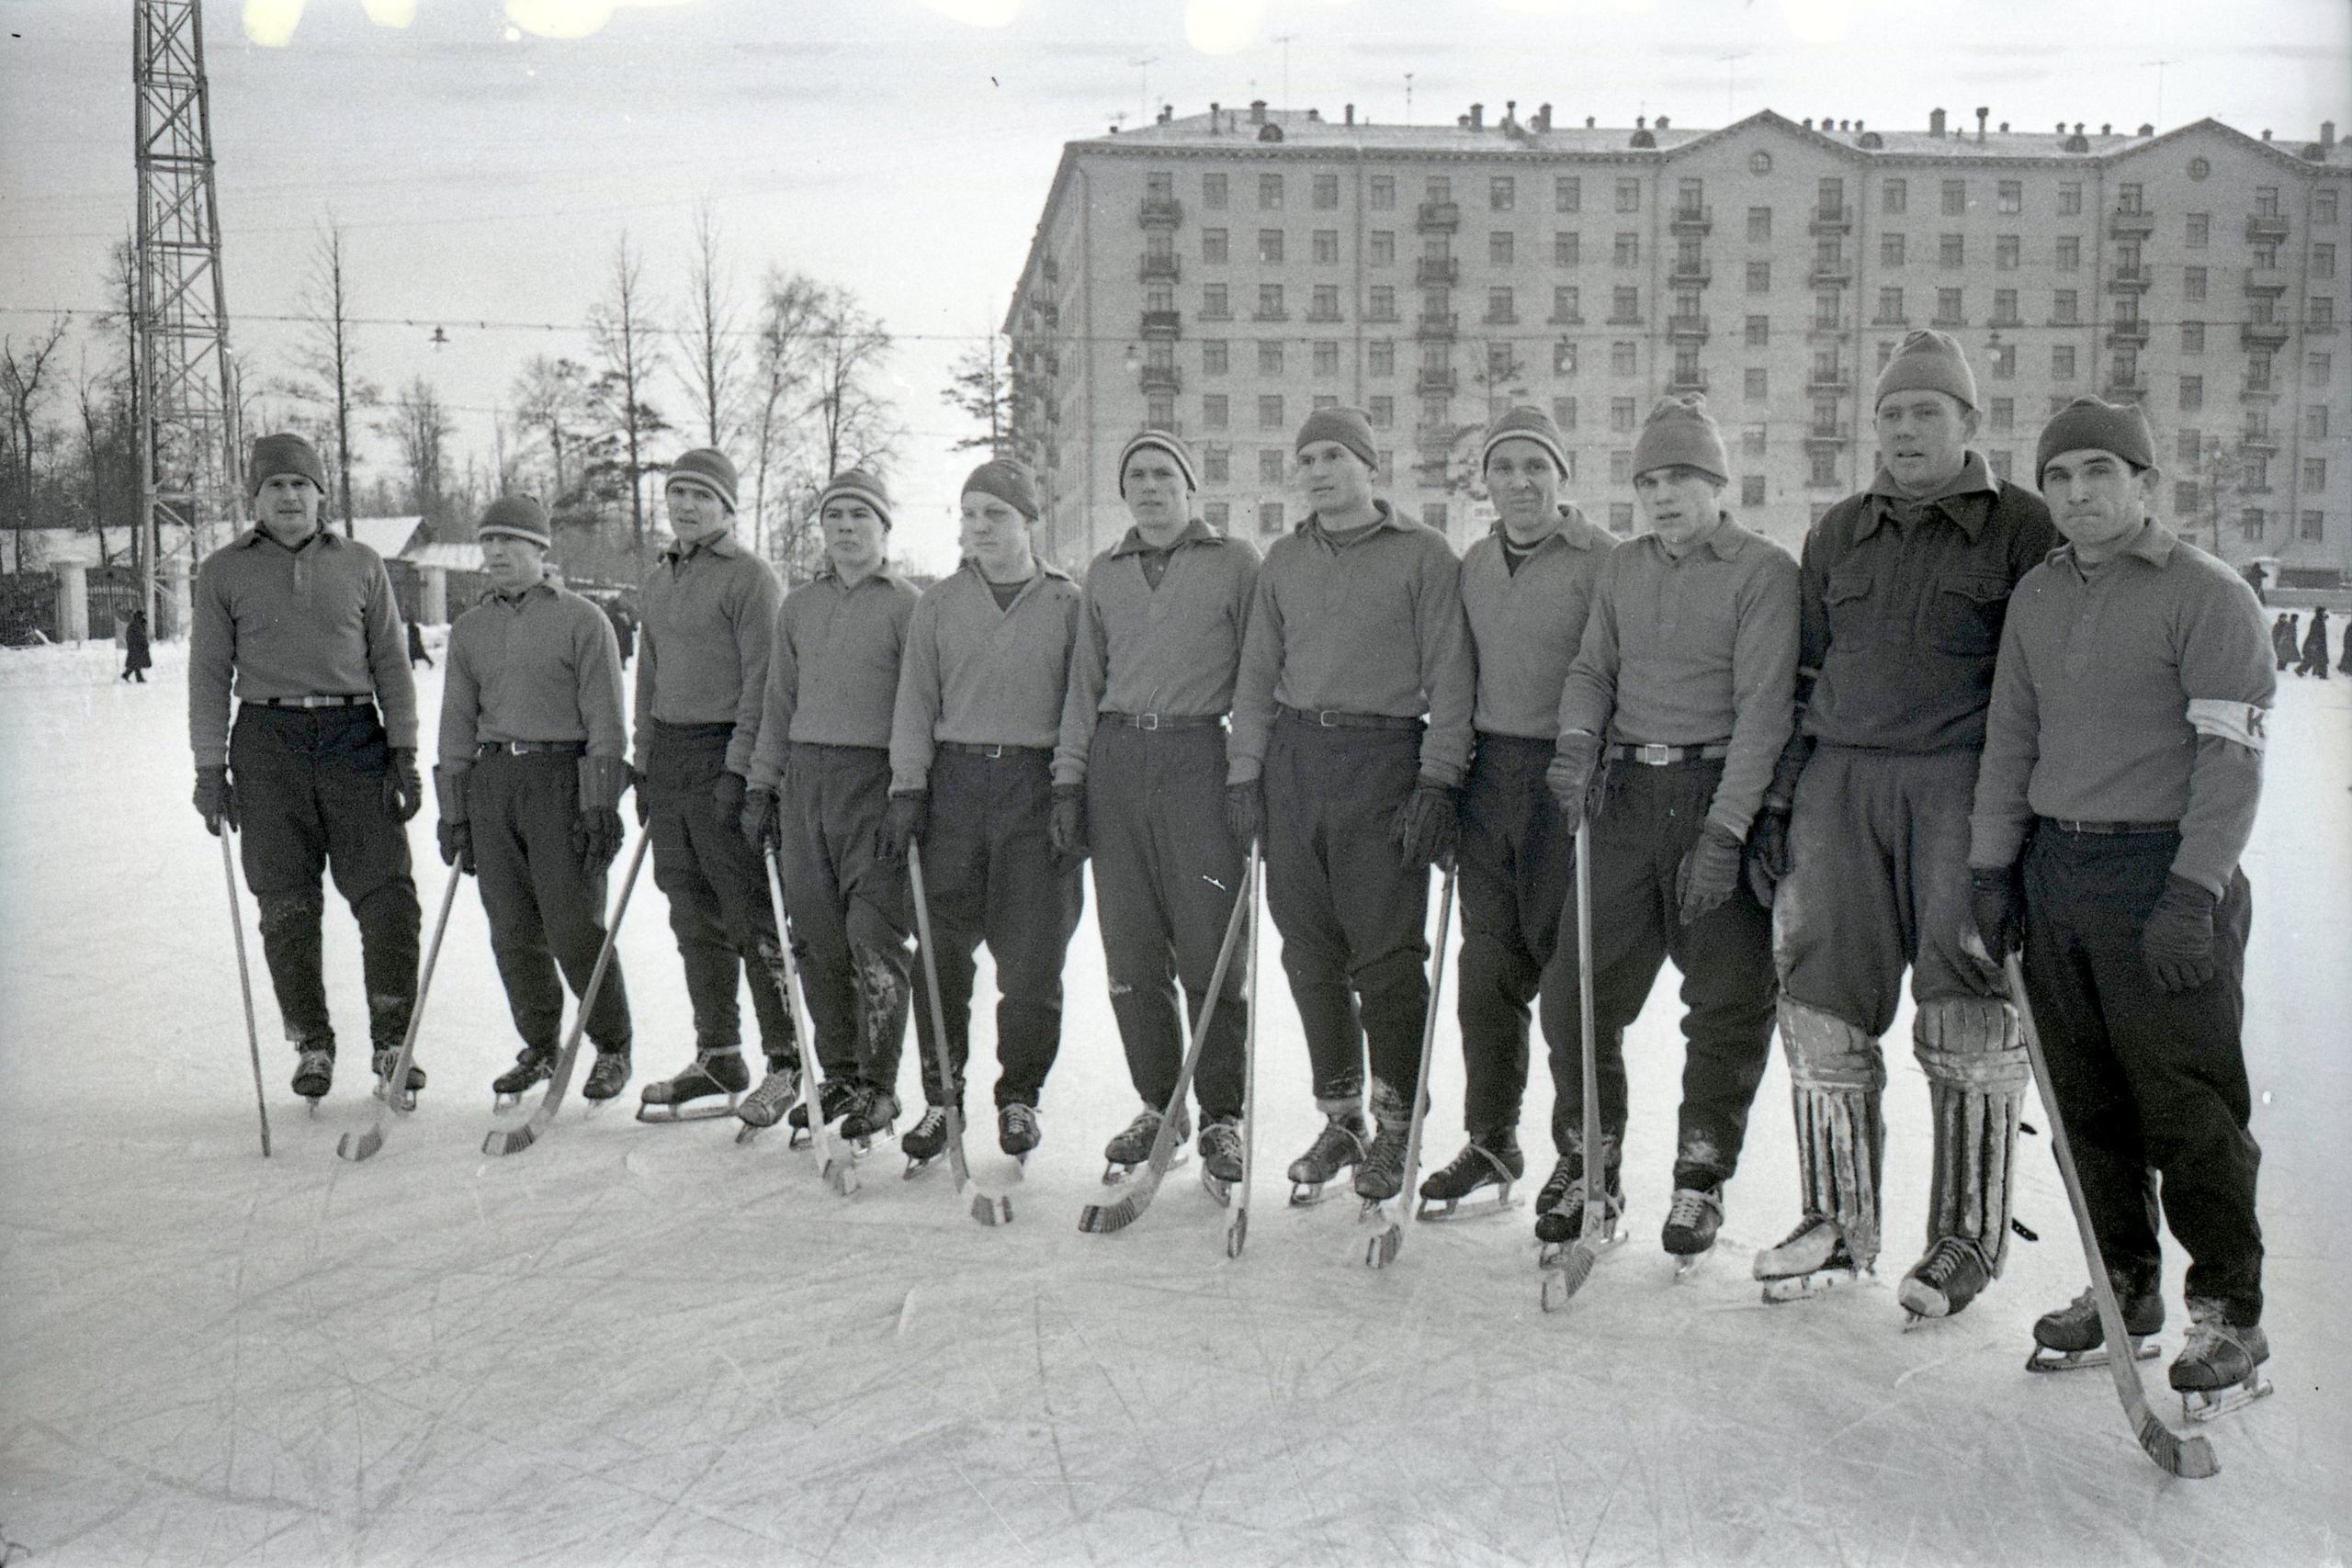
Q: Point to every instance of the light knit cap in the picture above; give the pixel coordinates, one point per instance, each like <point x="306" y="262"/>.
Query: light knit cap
<point x="1681" y="432"/>
<point x="1166" y="441"/>
<point x="1928" y="361"/>
<point x="1010" y="480"/>
<point x="858" y="484"/>
<point x="1525" y="423"/>
<point x="706" y="464"/>
<point x="516" y="516"/>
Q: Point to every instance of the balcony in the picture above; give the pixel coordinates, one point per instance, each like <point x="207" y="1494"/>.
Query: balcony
<point x="2261" y="281"/>
<point x="1692" y="219"/>
<point x="2133" y="386"/>
<point x="1161" y="212"/>
<point x="1437" y="269"/>
<point x="1326" y="313"/>
<point x="1163" y="323"/>
<point x="1829" y="379"/>
<point x="1886" y="321"/>
<point x="1436" y="378"/>
<point x="1268" y="313"/>
<point x="2131" y="225"/>
<point x="1687" y="329"/>
<point x="1433" y="440"/>
<point x="1556" y="320"/>
<point x="1159" y="268"/>
<point x="1500" y="319"/>
<point x="1824" y="436"/>
<point x="1050" y="270"/>
<point x="1162" y="378"/>
<point x="2266" y="228"/>
<point x="1695" y="273"/>
<point x="2259" y="387"/>
<point x="2131" y="278"/>
<point x="2264" y="334"/>
<point x="1435" y="326"/>
<point x="1832" y="219"/>
<point x="1830" y="273"/>
<point x="1439" y="217"/>
<point x="2128" y="334"/>
<point x="1049" y="316"/>
<point x="1687" y="379"/>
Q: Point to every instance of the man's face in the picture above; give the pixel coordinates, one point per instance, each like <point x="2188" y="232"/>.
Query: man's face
<point x="996" y="535"/>
<point x="1923" y="437"/>
<point x="1336" y="480"/>
<point x="2096" y="499"/>
<point x="1526" y="489"/>
<point x="512" y="564"/>
<point x="698" y="512"/>
<point x="1680" y="504"/>
<point x="288" y="507"/>
<point x="854" y="532"/>
<point x="1154" y="487"/>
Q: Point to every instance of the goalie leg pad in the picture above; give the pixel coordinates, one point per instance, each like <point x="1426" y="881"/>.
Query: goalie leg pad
<point x="1838" y="1078"/>
<point x="1978" y="1072"/>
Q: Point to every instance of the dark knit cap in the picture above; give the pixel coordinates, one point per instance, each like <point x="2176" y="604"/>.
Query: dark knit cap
<point x="706" y="464"/>
<point x="517" y="517"/>
<point x="1681" y="431"/>
<point x="2088" y="425"/>
<point x="1929" y="361"/>
<point x="1525" y="423"/>
<point x="1167" y="441"/>
<point x="861" y="485"/>
<point x="1352" y="428"/>
<point x="285" y="452"/>
<point x="1010" y="480"/>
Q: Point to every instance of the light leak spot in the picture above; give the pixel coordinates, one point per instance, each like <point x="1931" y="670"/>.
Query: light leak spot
<point x="271" y="23"/>
<point x="1223" y="27"/>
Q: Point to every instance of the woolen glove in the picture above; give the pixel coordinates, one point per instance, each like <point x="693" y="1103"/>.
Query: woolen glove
<point x="1570" y="773"/>
<point x="1767" y="852"/>
<point x="216" y="801"/>
<point x="1709" y="872"/>
<point x="726" y="790"/>
<point x="457" y="844"/>
<point x="644" y="801"/>
<point x="1998" y="908"/>
<point x="1066" y="828"/>
<point x="403" y="785"/>
<point x="903" y="827"/>
<point x="1245" y="813"/>
<point x="759" y="817"/>
<point x="2178" y="940"/>
<point x="596" y="838"/>
<point x="1427" y="825"/>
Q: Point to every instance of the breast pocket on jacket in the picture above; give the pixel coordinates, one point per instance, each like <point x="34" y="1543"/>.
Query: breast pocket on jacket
<point x="1853" y="607"/>
<point x="1964" y="615"/>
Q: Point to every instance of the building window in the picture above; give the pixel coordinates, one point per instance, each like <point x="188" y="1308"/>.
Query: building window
<point x="2192" y="337"/>
<point x="1213" y="303"/>
<point x="1759" y="332"/>
<point x="1629" y="195"/>
<point x="2004" y="413"/>
<point x="2069" y="253"/>
<point x="1760" y="277"/>
<point x="1270" y="412"/>
<point x="2314" y="473"/>
<point x="2004" y="362"/>
<point x="1889" y="308"/>
<point x="1621" y="513"/>
<point x="2323" y="206"/>
<point x="1955" y="199"/>
<point x="1564" y="412"/>
<point x="2065" y="306"/>
<point x="2317" y="367"/>
<point x="1269" y="246"/>
<point x="1159" y="412"/>
<point x="2005" y="307"/>
<point x="2201" y="230"/>
<point x="1827" y="308"/>
<point x="2001" y="460"/>
<point x="1327" y="191"/>
<point x="1621" y="416"/>
<point x="2251" y="524"/>
<point x="1381" y="354"/>
<point x="1752" y="440"/>
<point x="2314" y="528"/>
<point x="1622" y="358"/>
<point x="1213" y="192"/>
<point x="1327" y="359"/>
<point x="1566" y="305"/>
<point x="2322" y="260"/>
<point x="1326" y="245"/>
<point x="1383" y="409"/>
<point x="2185" y="498"/>
<point x="1384" y="247"/>
<point x="1565" y="251"/>
<point x="1213" y="245"/>
<point x="1217" y="463"/>
<point x="1433" y="515"/>
<point x="1215" y="357"/>
<point x="1383" y="191"/>
<point x="1760" y="225"/>
<point x="1214" y="415"/>
<point x="1564" y="359"/>
<point x="1628" y="252"/>
<point x="1502" y="193"/>
<point x="1620" y="468"/>
<point x="1500" y="366"/>
<point x="2193" y="282"/>
<point x="2192" y="393"/>
<point x="1951" y="250"/>
<point x="1270" y="517"/>
<point x="1326" y="306"/>
<point x="1380" y="303"/>
<point x="1269" y="303"/>
<point x="1270" y="193"/>
<point x="1894" y="195"/>
<point x="1269" y="356"/>
<point x="2320" y="314"/>
<point x="1890" y="250"/>
<point x="2070" y="198"/>
<point x="1270" y="465"/>
<point x="1499" y="307"/>
<point x="2265" y="201"/>
<point x="2315" y="423"/>
<point x="1218" y="515"/>
<point x="1568" y="194"/>
<point x="1947" y="308"/>
<point x="2005" y="251"/>
<point x="2188" y="447"/>
<point x="2012" y="195"/>
<point x="1625" y="304"/>
<point x="1751" y="489"/>
<point x="1824" y="468"/>
<point x="1756" y="386"/>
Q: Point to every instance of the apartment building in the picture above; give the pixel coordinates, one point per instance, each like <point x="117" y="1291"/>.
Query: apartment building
<point x="1220" y="274"/>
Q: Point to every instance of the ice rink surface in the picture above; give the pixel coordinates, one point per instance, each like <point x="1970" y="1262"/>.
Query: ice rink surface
<point x="648" y="1345"/>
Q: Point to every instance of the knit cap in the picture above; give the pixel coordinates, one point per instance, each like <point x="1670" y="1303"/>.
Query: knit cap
<point x="706" y="464"/>
<point x="1010" y="480"/>
<point x="1352" y="428"/>
<point x="283" y="454"/>
<point x="1680" y="431"/>
<point x="1168" y="442"/>
<point x="1525" y="423"/>
<point x="517" y="517"/>
<point x="2086" y="424"/>
<point x="1929" y="361"/>
<point x="858" y="484"/>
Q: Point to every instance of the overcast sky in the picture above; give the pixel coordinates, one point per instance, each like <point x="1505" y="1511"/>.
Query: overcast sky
<point x="483" y="163"/>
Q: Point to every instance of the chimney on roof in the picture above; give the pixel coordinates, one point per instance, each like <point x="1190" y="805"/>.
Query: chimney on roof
<point x="2327" y="133"/>
<point x="1477" y="117"/>
<point x="2078" y="128"/>
<point x="1352" y="114"/>
<point x="2005" y="128"/>
<point x="1935" y="122"/>
<point x="2061" y="128"/>
<point x="1858" y="126"/>
<point x="1982" y="115"/>
<point x="1314" y="117"/>
<point x="1543" y="119"/>
<point x="2147" y="130"/>
<point x="1641" y="122"/>
<point x="1167" y="113"/>
<point x="1212" y="118"/>
<point x="2107" y="129"/>
<point x="2266" y="135"/>
<point x="1661" y="122"/>
<point x="1257" y="111"/>
<point x="1808" y="123"/>
<point x="1511" y="112"/>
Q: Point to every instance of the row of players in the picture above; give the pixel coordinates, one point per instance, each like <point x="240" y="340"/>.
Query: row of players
<point x="1949" y="734"/>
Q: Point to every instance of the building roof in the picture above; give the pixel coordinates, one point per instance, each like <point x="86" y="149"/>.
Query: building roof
<point x="388" y="537"/>
<point x="466" y="557"/>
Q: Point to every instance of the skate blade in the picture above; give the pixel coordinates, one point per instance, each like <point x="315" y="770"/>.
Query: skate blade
<point x="2211" y="1405"/>
<point x="1804" y="1287"/>
<point x="407" y="1101"/>
<point x="2045" y="1359"/>
<point x="1686" y="1263"/>
<point x="656" y="1113"/>
<point x="1217" y="1188"/>
<point x="1307" y="1194"/>
<point x="916" y="1167"/>
<point x="500" y="1104"/>
<point x="800" y="1138"/>
<point x="1480" y="1204"/>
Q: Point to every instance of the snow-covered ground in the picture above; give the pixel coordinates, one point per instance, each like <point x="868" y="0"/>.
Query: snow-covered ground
<point x="637" y="1344"/>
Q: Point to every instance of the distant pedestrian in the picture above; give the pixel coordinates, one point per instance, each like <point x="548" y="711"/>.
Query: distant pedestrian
<point x="624" y="628"/>
<point x="2315" y="645"/>
<point x="2255" y="576"/>
<point x="137" y="662"/>
<point x="2282" y="639"/>
<point x="417" y="654"/>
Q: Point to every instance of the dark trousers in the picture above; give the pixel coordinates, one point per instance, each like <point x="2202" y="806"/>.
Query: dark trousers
<point x="1517" y="872"/>
<point x="848" y="910"/>
<point x="1878" y="883"/>
<point x="717" y="890"/>
<point x="1350" y="911"/>
<point x="1167" y="871"/>
<point x="993" y="877"/>
<point x="546" y="908"/>
<point x="2153" y="1087"/>
<point x="1649" y="819"/>
<point x="310" y="789"/>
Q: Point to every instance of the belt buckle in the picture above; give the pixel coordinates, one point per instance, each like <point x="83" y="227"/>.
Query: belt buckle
<point x="1323" y="718"/>
<point x="1656" y="756"/>
<point x="994" y="752"/>
<point x="1147" y="721"/>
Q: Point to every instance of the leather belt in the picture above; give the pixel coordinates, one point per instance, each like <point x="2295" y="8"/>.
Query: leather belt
<point x="1329" y="718"/>
<point x="1663" y="756"/>
<point x="966" y="749"/>
<point x="327" y="701"/>
<point x="532" y="749"/>
<point x="1151" y="721"/>
<point x="2109" y="829"/>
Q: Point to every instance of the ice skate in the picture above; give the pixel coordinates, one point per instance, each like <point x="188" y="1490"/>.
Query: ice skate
<point x="872" y="1113"/>
<point x="1222" y="1166"/>
<point x="1338" y="1148"/>
<point x="2218" y="1369"/>
<point x="1942" y="1283"/>
<point x="386" y="1058"/>
<point x="315" y="1073"/>
<point x="1692" y="1220"/>
<point x="531" y="1068"/>
<point x="835" y="1096"/>
<point x="1489" y="1160"/>
<point x="711" y="1072"/>
<point x="1812" y="1260"/>
<point x="608" y="1078"/>
<point x="2073" y="1337"/>
<point x="1018" y="1130"/>
<point x="1381" y="1172"/>
<point x="1559" y="1208"/>
<point x="1127" y="1152"/>
<point x="778" y="1092"/>
<point x="924" y="1143"/>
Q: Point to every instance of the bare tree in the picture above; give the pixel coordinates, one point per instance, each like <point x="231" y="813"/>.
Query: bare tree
<point x="981" y="385"/>
<point x="853" y="423"/>
<point x="550" y="400"/>
<point x="329" y="381"/>
<point x="714" y="374"/>
<point x="626" y="331"/>
<point x="420" y="427"/>
<point x="23" y="389"/>
<point x="791" y="316"/>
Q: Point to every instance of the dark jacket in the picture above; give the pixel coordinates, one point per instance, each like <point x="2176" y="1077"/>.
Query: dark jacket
<point x="136" y="656"/>
<point x="2315" y="639"/>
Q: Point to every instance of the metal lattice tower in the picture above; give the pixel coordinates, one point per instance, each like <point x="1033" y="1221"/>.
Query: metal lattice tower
<point x="189" y="447"/>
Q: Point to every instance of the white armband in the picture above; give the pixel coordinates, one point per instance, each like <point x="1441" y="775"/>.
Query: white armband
<point x="2241" y="722"/>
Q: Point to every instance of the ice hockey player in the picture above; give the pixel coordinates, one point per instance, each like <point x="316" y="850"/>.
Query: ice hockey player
<point x="1352" y="722"/>
<point x="320" y="770"/>
<point x="1865" y="832"/>
<point x="978" y="708"/>
<point x="820" y="790"/>
<point x="1681" y="688"/>
<point x="1525" y="589"/>
<point x="533" y="758"/>
<point x="2122" y="765"/>
<point x="1139" y="780"/>
<point x="702" y="673"/>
